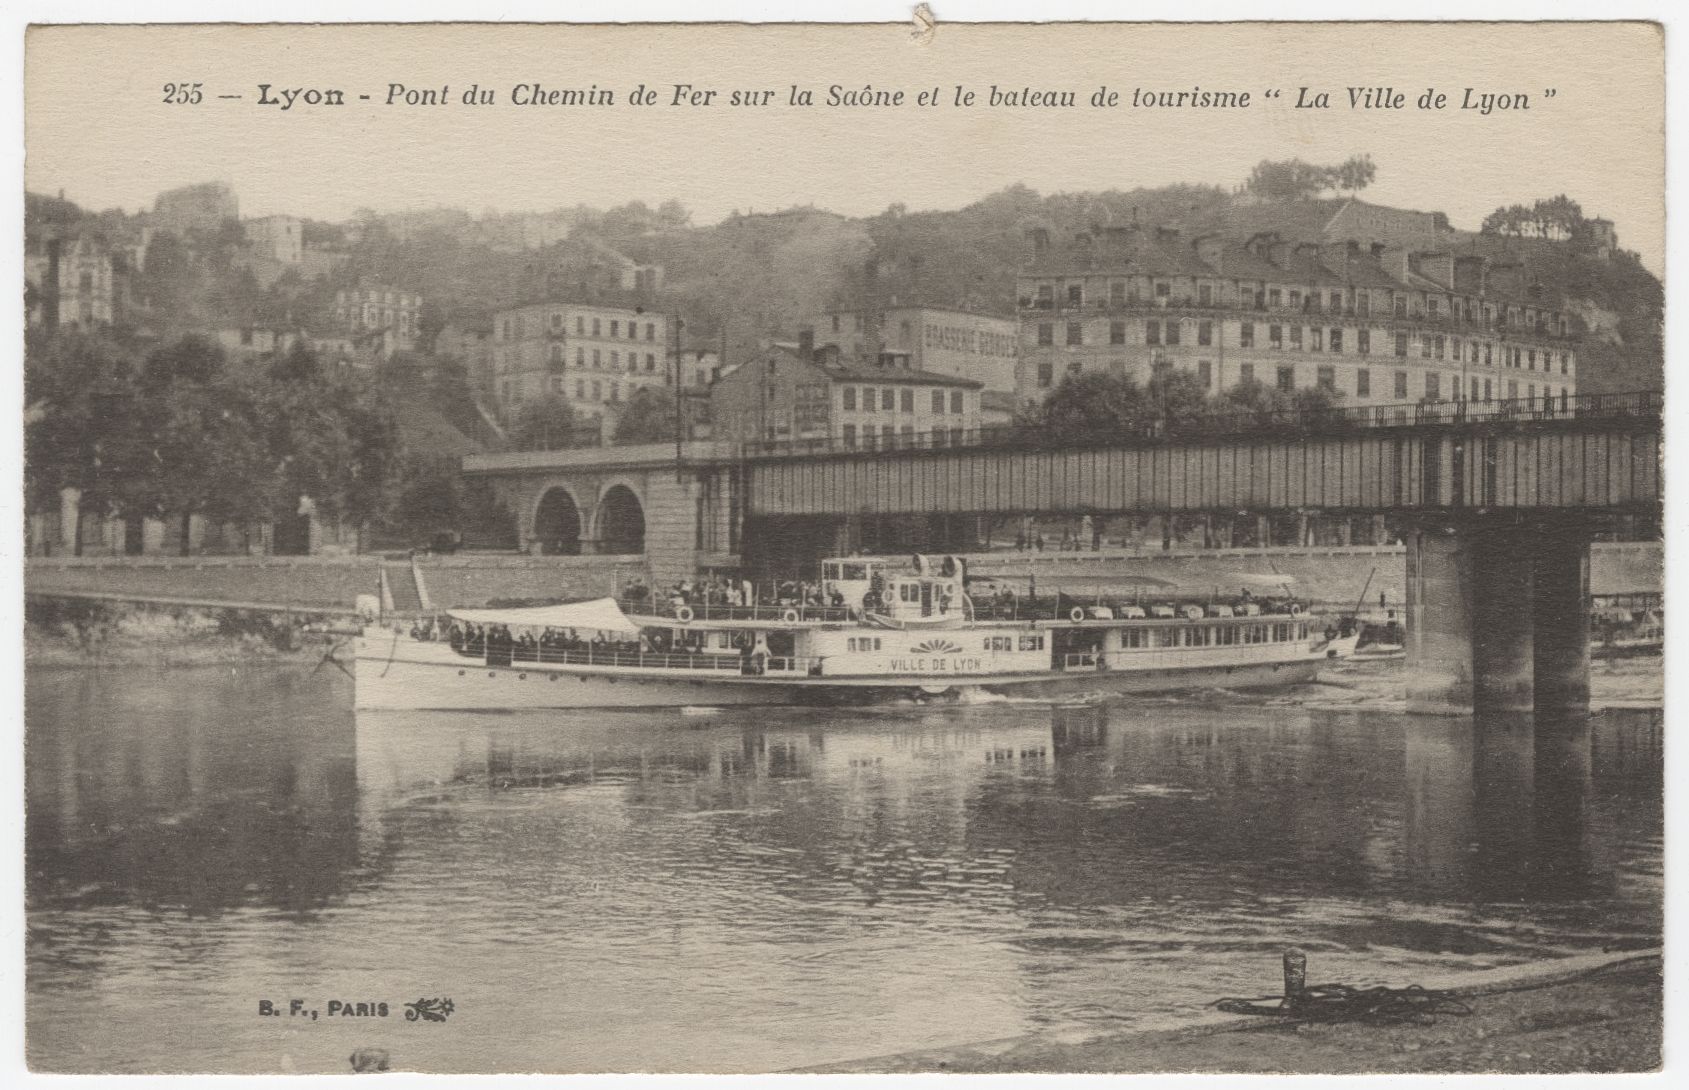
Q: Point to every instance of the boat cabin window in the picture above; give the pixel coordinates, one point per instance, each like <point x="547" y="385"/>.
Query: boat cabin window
<point x="1032" y="643"/>
<point x="999" y="643"/>
<point x="1167" y="637"/>
<point x="855" y="572"/>
<point x="862" y="643"/>
<point x="909" y="592"/>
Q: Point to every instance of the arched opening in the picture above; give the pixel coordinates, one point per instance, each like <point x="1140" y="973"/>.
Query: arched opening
<point x="557" y="524"/>
<point x="621" y="522"/>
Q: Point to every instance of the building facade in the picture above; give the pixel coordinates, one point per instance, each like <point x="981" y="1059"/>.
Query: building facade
<point x="72" y="282"/>
<point x="595" y="357"/>
<point x="793" y="393"/>
<point x="959" y="343"/>
<point x="1378" y="326"/>
<point x="279" y="238"/>
<point x="382" y="309"/>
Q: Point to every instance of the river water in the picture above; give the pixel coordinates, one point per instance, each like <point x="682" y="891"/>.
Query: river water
<point x="758" y="890"/>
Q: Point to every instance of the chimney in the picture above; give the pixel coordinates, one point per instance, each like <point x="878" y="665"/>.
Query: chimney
<point x="1438" y="267"/>
<point x="1506" y="279"/>
<point x="1469" y="274"/>
<point x="1393" y="260"/>
<point x="806" y="344"/>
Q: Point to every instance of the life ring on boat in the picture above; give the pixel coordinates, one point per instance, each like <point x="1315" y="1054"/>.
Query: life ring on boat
<point x="1295" y="610"/>
<point x="683" y="614"/>
<point x="790" y="616"/>
<point x="1076" y="614"/>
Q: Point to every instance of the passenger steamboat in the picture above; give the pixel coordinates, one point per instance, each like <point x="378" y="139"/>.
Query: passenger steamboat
<point x="890" y="629"/>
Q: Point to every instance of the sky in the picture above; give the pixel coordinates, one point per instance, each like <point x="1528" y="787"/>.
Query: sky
<point x="98" y="128"/>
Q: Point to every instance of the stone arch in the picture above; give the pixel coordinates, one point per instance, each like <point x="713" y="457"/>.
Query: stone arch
<point x="557" y="522"/>
<point x="619" y="522"/>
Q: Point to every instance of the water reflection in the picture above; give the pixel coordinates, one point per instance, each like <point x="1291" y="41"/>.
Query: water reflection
<point x="230" y="789"/>
<point x="865" y="881"/>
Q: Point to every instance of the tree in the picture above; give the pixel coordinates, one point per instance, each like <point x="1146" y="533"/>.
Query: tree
<point x="1177" y="394"/>
<point x="1354" y="173"/>
<point x="1094" y="405"/>
<point x="648" y="418"/>
<point x="548" y="423"/>
<point x="1287" y="180"/>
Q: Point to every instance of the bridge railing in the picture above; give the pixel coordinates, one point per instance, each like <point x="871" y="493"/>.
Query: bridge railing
<point x="1293" y="423"/>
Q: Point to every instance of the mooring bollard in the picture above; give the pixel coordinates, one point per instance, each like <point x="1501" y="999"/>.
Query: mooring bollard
<point x="1295" y="977"/>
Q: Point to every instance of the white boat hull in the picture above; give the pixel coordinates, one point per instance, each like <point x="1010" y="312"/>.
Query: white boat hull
<point x="401" y="673"/>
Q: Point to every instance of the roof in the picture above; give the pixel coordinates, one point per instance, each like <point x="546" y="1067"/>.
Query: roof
<point x="896" y="375"/>
<point x="598" y="615"/>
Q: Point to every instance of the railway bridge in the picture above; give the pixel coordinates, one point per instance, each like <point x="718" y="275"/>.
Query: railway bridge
<point x="1499" y="504"/>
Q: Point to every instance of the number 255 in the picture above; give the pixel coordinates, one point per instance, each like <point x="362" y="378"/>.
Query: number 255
<point x="182" y="94"/>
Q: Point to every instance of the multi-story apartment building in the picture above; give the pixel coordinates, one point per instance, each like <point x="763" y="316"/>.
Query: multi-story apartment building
<point x="794" y="392"/>
<point x="73" y="280"/>
<point x="594" y="356"/>
<point x="960" y="343"/>
<point x="380" y="308"/>
<point x="279" y="238"/>
<point x="1380" y="325"/>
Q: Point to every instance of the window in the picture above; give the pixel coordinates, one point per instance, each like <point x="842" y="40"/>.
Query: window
<point x="1046" y="374"/>
<point x="1437" y="347"/>
<point x="938" y="401"/>
<point x="1205" y="333"/>
<point x="1117" y="333"/>
<point x="1431" y="306"/>
<point x="1401" y="385"/>
<point x="580" y="324"/>
<point x="1295" y="298"/>
<point x="1032" y="643"/>
<point x="849" y="402"/>
<point x="1075" y="333"/>
<point x="1172" y="332"/>
<point x="1117" y="293"/>
<point x="595" y="327"/>
<point x="580" y="357"/>
<point x="1425" y="346"/>
<point x="557" y="320"/>
<point x="1565" y="362"/>
<point x="1275" y="336"/>
<point x="1075" y="295"/>
<point x="556" y="353"/>
<point x="595" y="360"/>
<point x="1488" y="392"/>
<point x="1245" y="373"/>
<point x="907" y="430"/>
<point x="1163" y="290"/>
<point x="998" y="643"/>
<point x="1530" y="359"/>
<point x="597" y="391"/>
<point x="650" y="331"/>
<point x="615" y="327"/>
<point x="1315" y="335"/>
<point x="615" y="391"/>
<point x="1274" y="297"/>
<point x="1075" y="367"/>
<point x="1327" y="378"/>
<point x="888" y="399"/>
<point x="1363" y="342"/>
<point x="1152" y="332"/>
<point x="1363" y="383"/>
<point x="650" y="362"/>
<point x="1401" y="345"/>
<point x="1296" y="337"/>
<point x="956" y="402"/>
<point x="1246" y="335"/>
<point x="1336" y="302"/>
<point x="1433" y="388"/>
<point x="1205" y="295"/>
<point x="615" y="360"/>
<point x="1046" y="299"/>
<point x="850" y="435"/>
<point x="1337" y="340"/>
<point x="1287" y="378"/>
<point x="1205" y="373"/>
<point x="580" y="389"/>
<point x="1474" y="388"/>
<point x="908" y="405"/>
<point x="1046" y="333"/>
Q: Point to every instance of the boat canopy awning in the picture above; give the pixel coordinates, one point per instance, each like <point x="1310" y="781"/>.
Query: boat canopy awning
<point x="598" y="615"/>
<point x="1257" y="579"/>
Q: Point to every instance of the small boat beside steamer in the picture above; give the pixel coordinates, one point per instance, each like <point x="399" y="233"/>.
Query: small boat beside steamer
<point x="895" y="629"/>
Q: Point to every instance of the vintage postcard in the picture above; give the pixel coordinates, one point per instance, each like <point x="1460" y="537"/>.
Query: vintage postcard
<point x="918" y="546"/>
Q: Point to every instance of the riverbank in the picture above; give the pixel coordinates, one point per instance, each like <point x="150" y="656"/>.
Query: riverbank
<point x="1593" y="1013"/>
<point x="77" y="634"/>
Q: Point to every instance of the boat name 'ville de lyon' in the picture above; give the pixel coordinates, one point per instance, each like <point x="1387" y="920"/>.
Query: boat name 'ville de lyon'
<point x="1388" y="98"/>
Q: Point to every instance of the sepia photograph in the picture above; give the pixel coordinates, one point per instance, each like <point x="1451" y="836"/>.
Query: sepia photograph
<point x="890" y="547"/>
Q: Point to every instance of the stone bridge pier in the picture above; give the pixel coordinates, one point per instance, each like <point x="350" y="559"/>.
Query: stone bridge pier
<point x="1497" y="614"/>
<point x="632" y="502"/>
